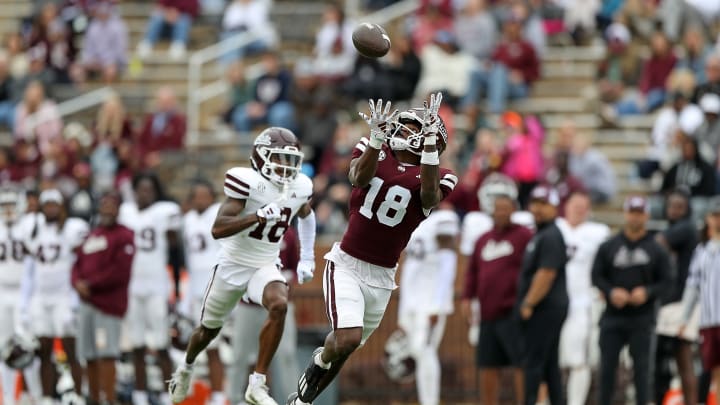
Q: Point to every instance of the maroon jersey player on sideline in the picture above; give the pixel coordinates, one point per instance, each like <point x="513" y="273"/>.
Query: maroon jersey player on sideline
<point x="396" y="181"/>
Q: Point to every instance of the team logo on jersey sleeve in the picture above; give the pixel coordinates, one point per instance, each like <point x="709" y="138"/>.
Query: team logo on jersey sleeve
<point x="261" y="187"/>
<point x="381" y="156"/>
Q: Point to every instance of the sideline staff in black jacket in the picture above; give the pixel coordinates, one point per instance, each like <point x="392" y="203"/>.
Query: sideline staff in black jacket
<point x="633" y="271"/>
<point x="543" y="298"/>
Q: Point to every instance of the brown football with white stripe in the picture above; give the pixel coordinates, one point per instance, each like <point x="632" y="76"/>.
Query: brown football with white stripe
<point x="371" y="40"/>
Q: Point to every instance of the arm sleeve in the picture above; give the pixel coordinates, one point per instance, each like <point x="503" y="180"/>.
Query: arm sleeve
<point x="445" y="279"/>
<point x="599" y="271"/>
<point x="306" y="235"/>
<point x="691" y="294"/>
<point x="689" y="300"/>
<point x="553" y="253"/>
<point x="663" y="280"/>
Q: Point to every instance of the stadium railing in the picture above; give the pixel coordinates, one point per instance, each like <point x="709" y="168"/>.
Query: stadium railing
<point x="73" y="105"/>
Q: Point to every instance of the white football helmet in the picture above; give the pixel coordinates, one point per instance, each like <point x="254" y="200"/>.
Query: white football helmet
<point x="495" y="184"/>
<point x="277" y="156"/>
<point x="399" y="363"/>
<point x="19" y="351"/>
<point x="414" y="140"/>
<point x="12" y="204"/>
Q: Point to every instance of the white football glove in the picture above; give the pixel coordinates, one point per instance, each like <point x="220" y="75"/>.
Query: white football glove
<point x="378" y="121"/>
<point x="270" y="212"/>
<point x="305" y="271"/>
<point x="431" y="120"/>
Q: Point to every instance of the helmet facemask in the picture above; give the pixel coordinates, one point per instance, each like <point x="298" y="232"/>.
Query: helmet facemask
<point x="403" y="137"/>
<point x="281" y="165"/>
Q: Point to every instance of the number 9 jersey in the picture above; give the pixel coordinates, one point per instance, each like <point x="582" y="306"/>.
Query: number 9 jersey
<point x="384" y="214"/>
<point x="259" y="244"/>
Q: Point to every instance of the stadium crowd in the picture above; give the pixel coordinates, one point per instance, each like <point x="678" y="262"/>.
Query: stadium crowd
<point x="661" y="57"/>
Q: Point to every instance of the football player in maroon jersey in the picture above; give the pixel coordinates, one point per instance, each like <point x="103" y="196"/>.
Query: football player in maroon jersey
<point x="397" y="181"/>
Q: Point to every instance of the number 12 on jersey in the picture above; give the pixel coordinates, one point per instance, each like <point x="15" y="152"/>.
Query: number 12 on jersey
<point x="394" y="206"/>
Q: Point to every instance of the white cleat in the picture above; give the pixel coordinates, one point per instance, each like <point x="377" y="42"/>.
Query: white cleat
<point x="258" y="394"/>
<point x="179" y="385"/>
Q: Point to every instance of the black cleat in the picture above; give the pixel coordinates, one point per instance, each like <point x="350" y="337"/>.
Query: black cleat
<point x="294" y="400"/>
<point x="309" y="382"/>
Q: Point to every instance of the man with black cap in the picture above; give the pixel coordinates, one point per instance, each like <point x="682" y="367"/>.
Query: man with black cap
<point x="633" y="272"/>
<point x="542" y="297"/>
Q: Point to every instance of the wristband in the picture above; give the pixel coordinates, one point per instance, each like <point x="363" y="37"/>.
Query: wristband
<point x="376" y="141"/>
<point x="430" y="158"/>
<point x="430" y="140"/>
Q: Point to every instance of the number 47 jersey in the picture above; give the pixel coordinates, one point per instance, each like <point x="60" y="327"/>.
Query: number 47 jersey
<point x="384" y="214"/>
<point x="259" y="244"/>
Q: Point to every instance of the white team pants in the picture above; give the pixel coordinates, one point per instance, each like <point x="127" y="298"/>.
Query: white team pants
<point x="424" y="342"/>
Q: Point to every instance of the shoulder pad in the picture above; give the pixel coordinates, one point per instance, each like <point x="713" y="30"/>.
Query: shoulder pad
<point x="238" y="182"/>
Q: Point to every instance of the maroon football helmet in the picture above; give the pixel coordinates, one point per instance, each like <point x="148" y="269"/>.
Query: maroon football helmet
<point x="277" y="156"/>
<point x="403" y="137"/>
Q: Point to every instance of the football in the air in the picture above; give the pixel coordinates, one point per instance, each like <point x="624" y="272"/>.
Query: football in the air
<point x="371" y="40"/>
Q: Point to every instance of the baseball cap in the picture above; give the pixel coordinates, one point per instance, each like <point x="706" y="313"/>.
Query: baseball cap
<point x="713" y="206"/>
<point x="51" y="195"/>
<point x="636" y="203"/>
<point x="545" y="194"/>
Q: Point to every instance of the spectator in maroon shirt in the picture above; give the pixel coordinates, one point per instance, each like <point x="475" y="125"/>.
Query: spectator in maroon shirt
<point x="101" y="276"/>
<point x="515" y="66"/>
<point x="162" y="130"/>
<point x="175" y="14"/>
<point x="653" y="79"/>
<point x="492" y="278"/>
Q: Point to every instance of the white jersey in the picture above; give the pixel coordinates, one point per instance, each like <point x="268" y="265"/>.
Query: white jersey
<point x="422" y="288"/>
<point x="12" y="255"/>
<point x="53" y="252"/>
<point x="582" y="243"/>
<point x="151" y="225"/>
<point x="201" y="248"/>
<point x="259" y="244"/>
<point x="477" y="223"/>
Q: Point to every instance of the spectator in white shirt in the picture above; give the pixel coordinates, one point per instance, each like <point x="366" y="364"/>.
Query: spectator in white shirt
<point x="334" y="50"/>
<point x="251" y="16"/>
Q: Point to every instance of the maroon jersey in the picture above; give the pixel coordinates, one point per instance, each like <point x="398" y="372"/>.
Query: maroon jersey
<point x="384" y="214"/>
<point x="494" y="268"/>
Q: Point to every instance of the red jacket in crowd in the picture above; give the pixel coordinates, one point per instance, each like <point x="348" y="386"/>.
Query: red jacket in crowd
<point x="184" y="6"/>
<point x="518" y="55"/>
<point x="171" y="136"/>
<point x="104" y="261"/>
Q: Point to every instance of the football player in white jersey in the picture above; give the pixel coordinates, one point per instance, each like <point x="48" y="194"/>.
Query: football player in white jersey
<point x="427" y="283"/>
<point x="12" y="255"/>
<point x="261" y="202"/>
<point x="156" y="223"/>
<point x="578" y="340"/>
<point x="477" y="223"/>
<point x="48" y="298"/>
<point x="201" y="251"/>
